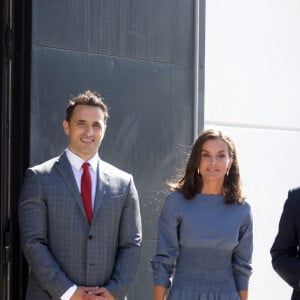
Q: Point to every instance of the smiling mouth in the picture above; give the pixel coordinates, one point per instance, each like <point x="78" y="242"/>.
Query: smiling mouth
<point x="87" y="141"/>
<point x="212" y="170"/>
<point x="215" y="172"/>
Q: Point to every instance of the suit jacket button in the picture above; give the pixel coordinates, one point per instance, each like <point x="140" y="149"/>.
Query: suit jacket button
<point x="90" y="237"/>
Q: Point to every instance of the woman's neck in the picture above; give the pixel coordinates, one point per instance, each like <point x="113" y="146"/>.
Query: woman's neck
<point x="212" y="188"/>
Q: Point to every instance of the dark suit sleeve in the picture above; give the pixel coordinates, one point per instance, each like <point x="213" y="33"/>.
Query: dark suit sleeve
<point x="33" y="231"/>
<point x="129" y="246"/>
<point x="285" y="252"/>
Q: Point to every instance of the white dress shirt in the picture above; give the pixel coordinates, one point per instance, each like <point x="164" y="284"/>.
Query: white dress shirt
<point x="76" y="163"/>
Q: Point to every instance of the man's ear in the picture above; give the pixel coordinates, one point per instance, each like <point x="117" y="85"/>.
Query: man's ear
<point x="66" y="127"/>
<point x="103" y="131"/>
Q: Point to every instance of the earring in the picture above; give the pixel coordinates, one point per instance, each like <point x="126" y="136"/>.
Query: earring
<point x="227" y="171"/>
<point x="198" y="172"/>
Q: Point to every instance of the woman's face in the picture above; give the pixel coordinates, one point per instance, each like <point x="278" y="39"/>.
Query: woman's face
<point x="215" y="160"/>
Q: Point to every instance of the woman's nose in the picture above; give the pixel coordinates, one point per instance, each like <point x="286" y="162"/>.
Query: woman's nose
<point x="213" y="159"/>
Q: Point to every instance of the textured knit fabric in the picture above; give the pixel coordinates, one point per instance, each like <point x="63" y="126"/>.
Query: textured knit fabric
<point x="204" y="248"/>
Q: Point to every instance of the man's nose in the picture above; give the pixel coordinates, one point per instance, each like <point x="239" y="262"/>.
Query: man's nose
<point x="89" y="130"/>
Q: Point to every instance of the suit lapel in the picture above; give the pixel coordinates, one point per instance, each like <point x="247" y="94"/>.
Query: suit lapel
<point x="102" y="187"/>
<point x="64" y="168"/>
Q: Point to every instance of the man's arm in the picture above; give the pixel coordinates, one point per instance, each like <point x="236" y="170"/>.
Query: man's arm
<point x="285" y="256"/>
<point x="33" y="231"/>
<point x="129" y="247"/>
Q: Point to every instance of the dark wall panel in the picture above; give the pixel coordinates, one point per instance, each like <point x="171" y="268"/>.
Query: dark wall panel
<point x="139" y="55"/>
<point x="142" y="288"/>
<point x="150" y="107"/>
<point x="158" y="30"/>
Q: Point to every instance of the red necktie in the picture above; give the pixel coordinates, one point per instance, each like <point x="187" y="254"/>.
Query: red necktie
<point x="86" y="190"/>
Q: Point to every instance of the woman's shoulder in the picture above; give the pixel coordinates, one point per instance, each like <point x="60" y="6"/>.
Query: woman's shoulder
<point x="245" y="204"/>
<point x="244" y="207"/>
<point x="174" y="196"/>
<point x="172" y="206"/>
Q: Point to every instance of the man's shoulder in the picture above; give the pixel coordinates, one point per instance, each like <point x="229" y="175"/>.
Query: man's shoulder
<point x="113" y="171"/>
<point x="45" y="166"/>
<point x="294" y="196"/>
<point x="295" y="191"/>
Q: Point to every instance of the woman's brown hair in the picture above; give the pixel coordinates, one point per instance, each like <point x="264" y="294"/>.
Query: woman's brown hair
<point x="191" y="182"/>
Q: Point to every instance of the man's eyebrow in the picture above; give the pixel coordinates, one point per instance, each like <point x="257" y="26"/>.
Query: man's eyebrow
<point x="96" y="123"/>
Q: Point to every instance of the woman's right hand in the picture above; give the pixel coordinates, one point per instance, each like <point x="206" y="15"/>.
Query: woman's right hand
<point x="160" y="292"/>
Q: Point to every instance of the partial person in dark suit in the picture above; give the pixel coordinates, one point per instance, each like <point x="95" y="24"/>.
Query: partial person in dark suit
<point x="285" y="249"/>
<point x="75" y="250"/>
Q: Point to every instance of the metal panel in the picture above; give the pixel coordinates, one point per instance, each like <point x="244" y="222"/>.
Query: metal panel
<point x="142" y="287"/>
<point x="153" y="30"/>
<point x="139" y="55"/>
<point x="150" y="107"/>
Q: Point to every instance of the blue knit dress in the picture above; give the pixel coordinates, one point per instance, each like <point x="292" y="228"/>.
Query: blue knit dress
<point x="204" y="248"/>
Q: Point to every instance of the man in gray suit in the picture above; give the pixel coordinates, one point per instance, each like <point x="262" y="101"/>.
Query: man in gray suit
<point x="80" y="249"/>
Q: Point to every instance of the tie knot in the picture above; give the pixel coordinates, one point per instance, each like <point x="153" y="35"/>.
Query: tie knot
<point x="85" y="166"/>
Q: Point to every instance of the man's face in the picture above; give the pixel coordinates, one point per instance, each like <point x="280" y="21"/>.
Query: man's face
<point x="85" y="130"/>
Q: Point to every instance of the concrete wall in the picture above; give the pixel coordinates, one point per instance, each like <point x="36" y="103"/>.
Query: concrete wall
<point x="252" y="92"/>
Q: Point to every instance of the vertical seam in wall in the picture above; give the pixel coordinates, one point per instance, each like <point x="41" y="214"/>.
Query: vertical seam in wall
<point x="196" y="70"/>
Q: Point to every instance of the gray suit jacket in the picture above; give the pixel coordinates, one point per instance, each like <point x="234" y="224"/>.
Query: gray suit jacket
<point x="61" y="247"/>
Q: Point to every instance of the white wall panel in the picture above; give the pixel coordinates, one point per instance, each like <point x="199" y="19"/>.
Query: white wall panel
<point x="253" y="62"/>
<point x="252" y="91"/>
<point x="270" y="166"/>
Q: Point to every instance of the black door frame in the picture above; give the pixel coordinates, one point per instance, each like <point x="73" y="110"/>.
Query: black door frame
<point x="15" y="50"/>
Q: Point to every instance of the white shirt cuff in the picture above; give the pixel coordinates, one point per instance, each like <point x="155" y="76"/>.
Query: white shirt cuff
<point x="69" y="293"/>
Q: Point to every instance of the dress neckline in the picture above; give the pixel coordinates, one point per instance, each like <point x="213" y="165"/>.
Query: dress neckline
<point x="210" y="196"/>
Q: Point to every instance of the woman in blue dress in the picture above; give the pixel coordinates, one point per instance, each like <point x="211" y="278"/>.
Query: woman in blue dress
<point x="205" y="241"/>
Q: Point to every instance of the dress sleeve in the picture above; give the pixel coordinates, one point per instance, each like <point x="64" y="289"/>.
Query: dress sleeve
<point x="164" y="263"/>
<point x="242" y="254"/>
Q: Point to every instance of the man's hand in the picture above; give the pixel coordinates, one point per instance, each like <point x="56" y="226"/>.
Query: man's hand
<point x="88" y="293"/>
<point x="105" y="293"/>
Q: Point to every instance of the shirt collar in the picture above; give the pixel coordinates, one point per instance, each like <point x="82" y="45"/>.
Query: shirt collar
<point x="76" y="161"/>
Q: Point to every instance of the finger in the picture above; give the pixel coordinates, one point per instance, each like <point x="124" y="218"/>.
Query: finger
<point x="90" y="288"/>
<point x="95" y="297"/>
<point x="93" y="292"/>
<point x="101" y="291"/>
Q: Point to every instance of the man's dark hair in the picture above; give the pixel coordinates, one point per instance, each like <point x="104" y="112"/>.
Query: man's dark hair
<point x="86" y="98"/>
